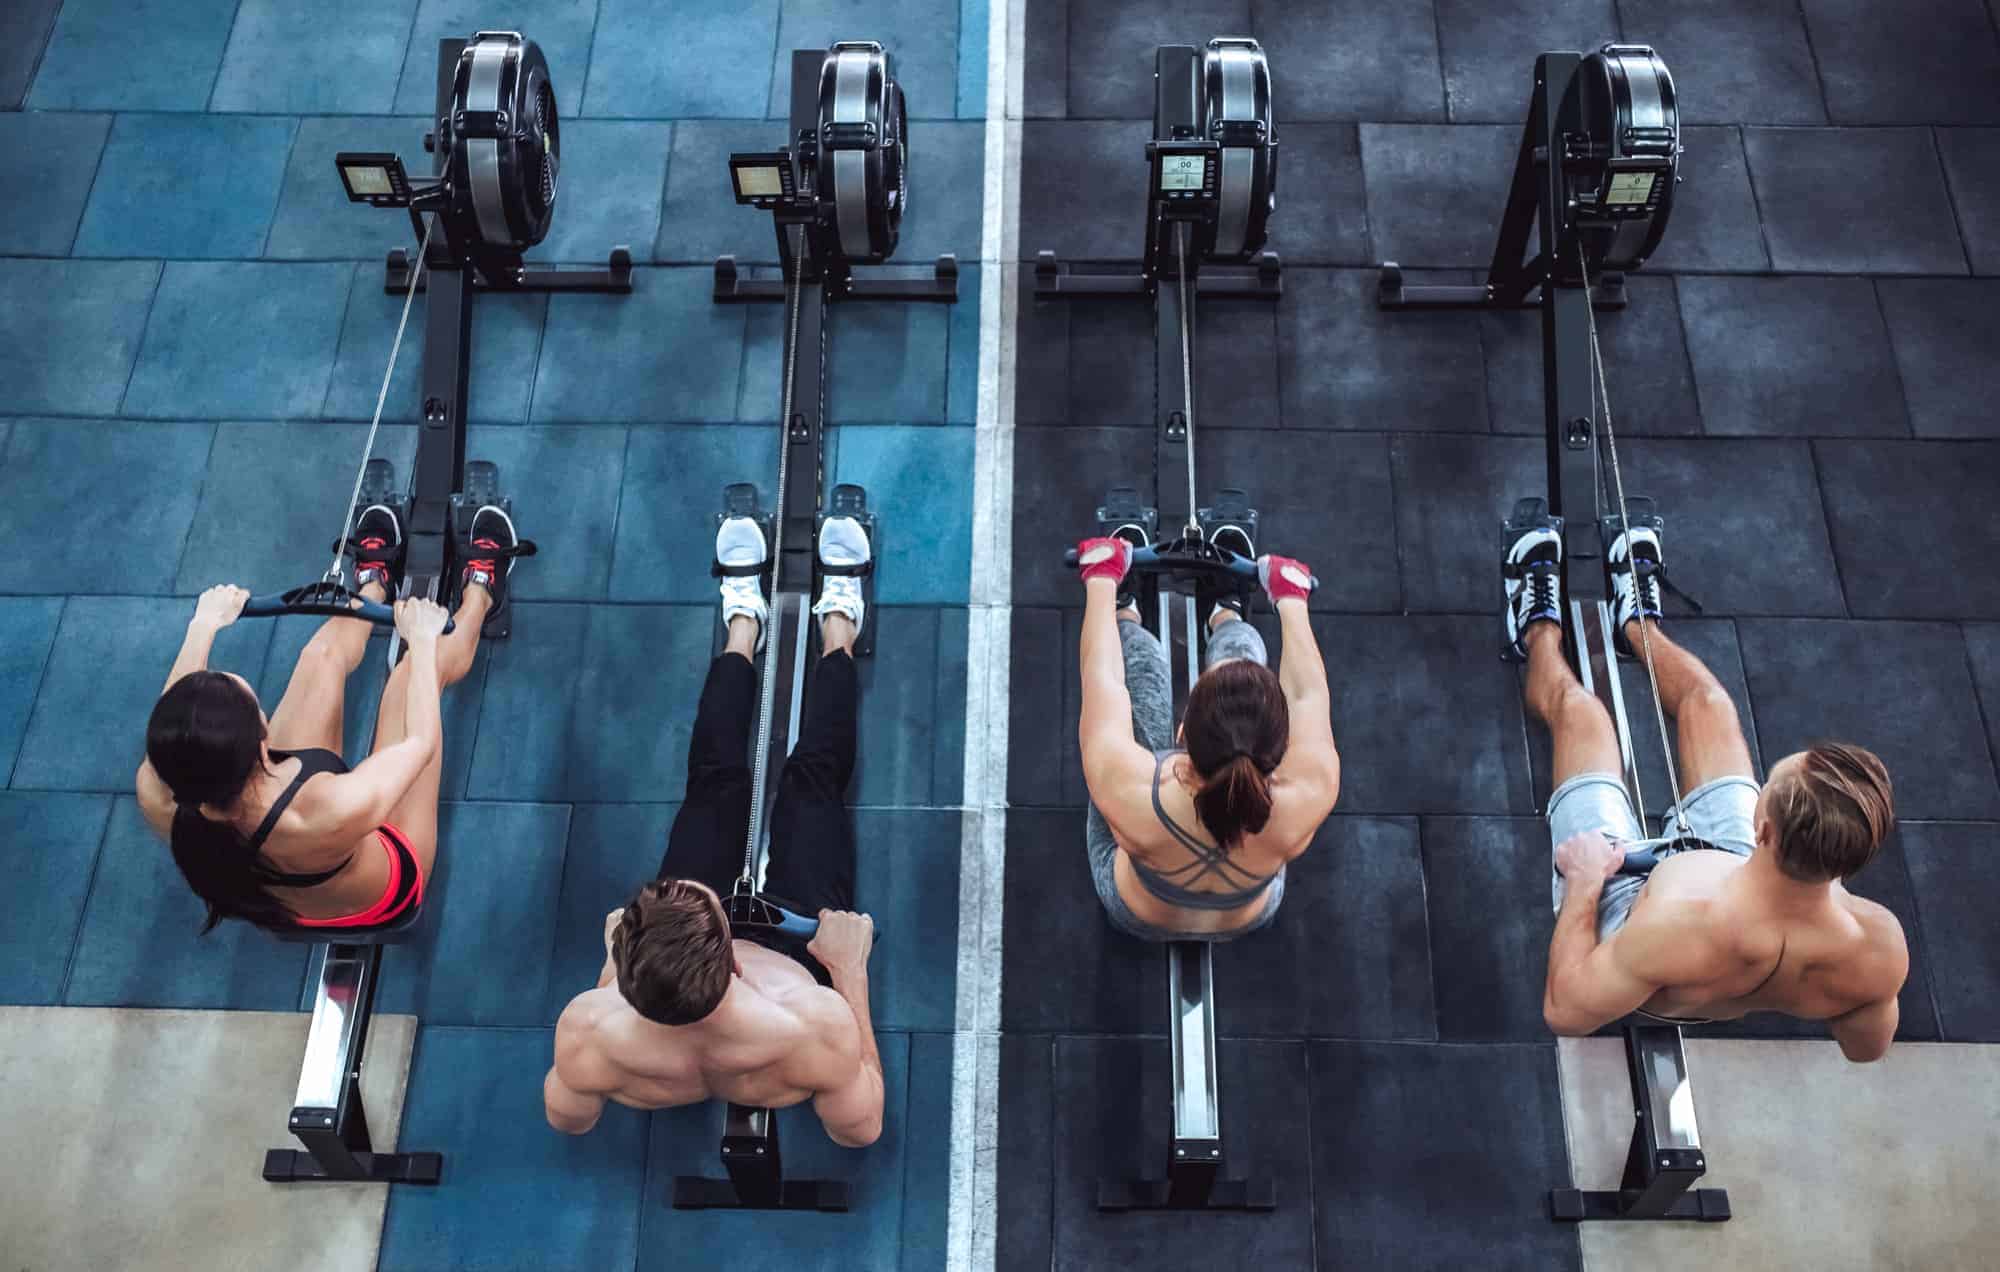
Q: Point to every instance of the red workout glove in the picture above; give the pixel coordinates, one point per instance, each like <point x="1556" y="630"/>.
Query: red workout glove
<point x="1106" y="558"/>
<point x="1284" y="577"/>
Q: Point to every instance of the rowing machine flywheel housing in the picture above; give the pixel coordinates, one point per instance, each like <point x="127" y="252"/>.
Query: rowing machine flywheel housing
<point x="1621" y="153"/>
<point x="1236" y="106"/>
<point x="863" y="144"/>
<point x="502" y="142"/>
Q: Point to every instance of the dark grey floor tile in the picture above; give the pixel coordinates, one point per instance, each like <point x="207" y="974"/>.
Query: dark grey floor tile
<point x="1083" y="189"/>
<point x="24" y="30"/>
<point x="1322" y="214"/>
<point x="1645" y="360"/>
<point x="1044" y="767"/>
<point x="1346" y="363"/>
<point x="1954" y="874"/>
<point x="1113" y="1118"/>
<point x="1087" y="362"/>
<point x="1452" y="495"/>
<point x="1436" y="192"/>
<point x="1947" y="351"/>
<point x="1388" y="676"/>
<point x="1732" y="60"/>
<point x="1486" y="882"/>
<point x="1982" y="641"/>
<point x="1352" y="59"/>
<point x="1900" y="689"/>
<point x="1854" y="201"/>
<point x="1932" y="61"/>
<point x="1914" y="526"/>
<point x="1045" y="60"/>
<point x="1024" y="1220"/>
<point x="1431" y="1156"/>
<point x="1064" y="968"/>
<point x="1777" y="356"/>
<point x="1335" y="510"/>
<point x="1111" y="50"/>
<point x="1490" y="47"/>
<point x="1349" y="955"/>
<point x="1972" y="167"/>
<point x="1715" y="225"/>
<point x="1060" y="476"/>
<point x="1235" y="365"/>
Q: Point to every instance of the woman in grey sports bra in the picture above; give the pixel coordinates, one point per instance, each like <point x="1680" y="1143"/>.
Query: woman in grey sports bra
<point x="1190" y="842"/>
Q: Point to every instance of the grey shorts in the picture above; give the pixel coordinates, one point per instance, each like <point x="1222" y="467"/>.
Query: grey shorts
<point x="1149" y="681"/>
<point x="1723" y="812"/>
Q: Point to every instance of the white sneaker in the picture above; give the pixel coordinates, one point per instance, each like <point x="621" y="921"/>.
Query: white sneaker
<point x="740" y="541"/>
<point x="842" y="543"/>
<point x="1532" y="572"/>
<point x="1632" y="566"/>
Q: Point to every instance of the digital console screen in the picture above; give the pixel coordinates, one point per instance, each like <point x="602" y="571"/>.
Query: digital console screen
<point x="1629" y="188"/>
<point x="1182" y="172"/>
<point x="759" y="183"/>
<point x="367" y="181"/>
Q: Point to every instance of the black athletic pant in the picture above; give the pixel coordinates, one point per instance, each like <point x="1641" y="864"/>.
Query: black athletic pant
<point x="812" y="839"/>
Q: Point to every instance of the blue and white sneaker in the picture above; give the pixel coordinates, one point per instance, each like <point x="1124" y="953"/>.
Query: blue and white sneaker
<point x="1633" y="568"/>
<point x="843" y="544"/>
<point x="1532" y="573"/>
<point x="739" y="541"/>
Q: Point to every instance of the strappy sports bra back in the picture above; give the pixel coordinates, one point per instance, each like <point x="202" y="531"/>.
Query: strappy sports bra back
<point x="312" y="762"/>
<point x="1174" y="886"/>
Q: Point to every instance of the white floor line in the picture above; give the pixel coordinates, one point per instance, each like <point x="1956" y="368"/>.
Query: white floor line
<point x="975" y="1115"/>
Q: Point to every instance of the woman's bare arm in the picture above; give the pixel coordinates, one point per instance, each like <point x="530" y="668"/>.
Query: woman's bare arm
<point x="1312" y="761"/>
<point x="1113" y="761"/>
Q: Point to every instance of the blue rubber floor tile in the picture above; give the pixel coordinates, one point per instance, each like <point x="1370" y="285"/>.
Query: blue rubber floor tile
<point x="104" y="482"/>
<point x="1905" y="693"/>
<point x="592" y="703"/>
<point x="885" y="363"/>
<point x="919" y="484"/>
<point x="1486" y="888"/>
<point x="699" y="217"/>
<point x="1854" y="201"/>
<point x="564" y="483"/>
<point x="104" y="673"/>
<point x="27" y="632"/>
<point x="24" y="32"/>
<point x="667" y="352"/>
<point x="1791" y="356"/>
<point x="240" y="340"/>
<point x="1716" y="226"/>
<point x="1436" y="193"/>
<point x="1322" y="213"/>
<point x="1490" y="47"/>
<point x="274" y="500"/>
<point x="1947" y="351"/>
<point x="962" y="351"/>
<point x="499" y="870"/>
<point x="1385" y="1192"/>
<point x="1381" y="64"/>
<point x="1111" y="50"/>
<point x="906" y="876"/>
<point x="927" y="1164"/>
<point x="672" y="491"/>
<point x="1931" y="62"/>
<point x="948" y="172"/>
<point x="199" y="186"/>
<point x="1952" y="871"/>
<point x="269" y="67"/>
<point x="562" y="28"/>
<point x="1982" y="641"/>
<point x="70" y="331"/>
<point x="613" y="850"/>
<point x="315" y="219"/>
<point x="506" y="344"/>
<point x="140" y="942"/>
<point x="1972" y="168"/>
<point x="1645" y="358"/>
<point x="1913" y="526"/>
<point x="921" y="37"/>
<point x="1083" y="188"/>
<point x="912" y="729"/>
<point x="614" y="174"/>
<point x="684" y="1143"/>
<point x="974" y="31"/>
<point x="1733" y="61"/>
<point x="91" y="64"/>
<point x="720" y="68"/>
<point x="1345" y="363"/>
<point x="55" y="156"/>
<point x="52" y="854"/>
<point x="515" y="1194"/>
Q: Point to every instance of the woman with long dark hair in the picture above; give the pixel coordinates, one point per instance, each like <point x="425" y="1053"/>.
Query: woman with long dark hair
<point x="1191" y="841"/>
<point x="267" y="822"/>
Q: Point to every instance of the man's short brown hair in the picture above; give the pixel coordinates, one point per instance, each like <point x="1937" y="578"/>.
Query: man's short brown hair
<point x="1830" y="812"/>
<point x="673" y="953"/>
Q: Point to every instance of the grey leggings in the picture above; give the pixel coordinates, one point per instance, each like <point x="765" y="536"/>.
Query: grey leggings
<point x="1149" y="680"/>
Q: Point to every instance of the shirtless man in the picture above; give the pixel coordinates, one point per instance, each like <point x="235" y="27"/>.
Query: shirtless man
<point x="681" y="1012"/>
<point x="1756" y="917"/>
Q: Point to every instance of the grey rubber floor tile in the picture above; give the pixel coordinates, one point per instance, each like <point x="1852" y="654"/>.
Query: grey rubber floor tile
<point x="1732" y="60"/>
<point x="1854" y="201"/>
<point x="1914" y="527"/>
<point x="1947" y="352"/>
<point x="1931" y="61"/>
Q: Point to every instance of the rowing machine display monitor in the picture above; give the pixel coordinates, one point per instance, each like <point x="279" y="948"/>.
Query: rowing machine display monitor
<point x="1665" y="1157"/>
<point x="377" y="179"/>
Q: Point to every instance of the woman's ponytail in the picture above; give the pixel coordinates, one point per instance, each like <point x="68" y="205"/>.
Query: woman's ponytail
<point x="1236" y="728"/>
<point x="1234" y="801"/>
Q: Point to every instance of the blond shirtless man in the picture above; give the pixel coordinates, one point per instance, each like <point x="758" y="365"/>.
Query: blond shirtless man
<point x="684" y="1013"/>
<point x="1755" y="916"/>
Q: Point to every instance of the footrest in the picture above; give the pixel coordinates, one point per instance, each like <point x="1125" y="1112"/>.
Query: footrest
<point x="697" y="1192"/>
<point x="849" y="500"/>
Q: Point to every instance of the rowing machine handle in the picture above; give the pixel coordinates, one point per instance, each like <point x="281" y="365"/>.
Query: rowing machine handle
<point x="1639" y="862"/>
<point x="316" y="599"/>
<point x="1148" y="559"/>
